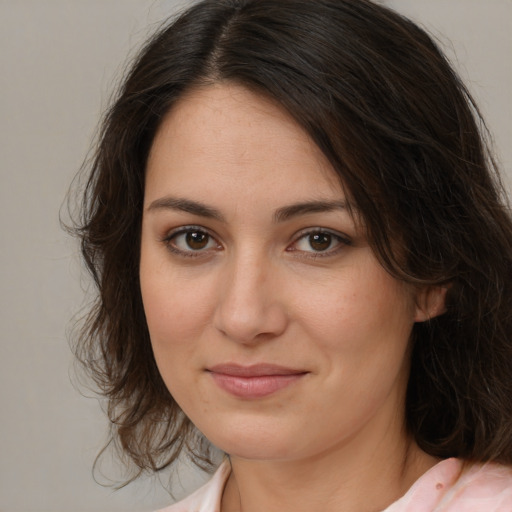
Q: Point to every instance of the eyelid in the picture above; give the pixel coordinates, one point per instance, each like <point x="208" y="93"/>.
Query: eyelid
<point x="343" y="239"/>
<point x="173" y="233"/>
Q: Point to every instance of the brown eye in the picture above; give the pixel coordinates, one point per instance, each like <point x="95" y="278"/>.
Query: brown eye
<point x="189" y="241"/>
<point x="197" y="240"/>
<point x="320" y="241"/>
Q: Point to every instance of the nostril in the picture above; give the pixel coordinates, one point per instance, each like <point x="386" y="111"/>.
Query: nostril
<point x="250" y="325"/>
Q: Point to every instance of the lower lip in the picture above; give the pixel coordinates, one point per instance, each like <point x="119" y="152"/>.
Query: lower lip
<point x="254" y="387"/>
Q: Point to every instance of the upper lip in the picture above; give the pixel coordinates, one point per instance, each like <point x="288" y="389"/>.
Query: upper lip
<point x="255" y="370"/>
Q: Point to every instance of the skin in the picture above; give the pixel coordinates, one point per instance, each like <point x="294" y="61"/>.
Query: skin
<point x="250" y="288"/>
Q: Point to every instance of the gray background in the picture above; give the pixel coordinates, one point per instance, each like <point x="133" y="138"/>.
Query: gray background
<point x="59" y="61"/>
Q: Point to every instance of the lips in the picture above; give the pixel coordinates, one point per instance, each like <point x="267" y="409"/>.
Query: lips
<point x="256" y="381"/>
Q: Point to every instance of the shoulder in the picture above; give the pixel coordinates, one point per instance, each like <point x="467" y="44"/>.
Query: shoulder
<point x="206" y="498"/>
<point x="451" y="487"/>
<point x="482" y="487"/>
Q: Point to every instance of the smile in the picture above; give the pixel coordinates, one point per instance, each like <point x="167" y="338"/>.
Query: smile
<point x="251" y="382"/>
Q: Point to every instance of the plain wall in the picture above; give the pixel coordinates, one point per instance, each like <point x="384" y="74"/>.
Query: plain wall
<point x="59" y="59"/>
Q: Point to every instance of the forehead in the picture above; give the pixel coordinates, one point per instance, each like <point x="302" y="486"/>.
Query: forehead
<point x="225" y="132"/>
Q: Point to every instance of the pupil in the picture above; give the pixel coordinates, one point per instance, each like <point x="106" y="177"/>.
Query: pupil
<point x="197" y="240"/>
<point x="320" y="241"/>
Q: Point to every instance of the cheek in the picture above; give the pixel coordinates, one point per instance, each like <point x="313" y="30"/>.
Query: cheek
<point x="362" y="323"/>
<point x="167" y="311"/>
<point x="175" y="314"/>
<point x="173" y="302"/>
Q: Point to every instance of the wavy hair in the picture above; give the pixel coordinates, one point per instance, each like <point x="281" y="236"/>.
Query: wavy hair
<point x="381" y="101"/>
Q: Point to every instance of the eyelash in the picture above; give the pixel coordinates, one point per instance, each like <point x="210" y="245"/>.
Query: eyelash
<point x="169" y="241"/>
<point x="341" y="241"/>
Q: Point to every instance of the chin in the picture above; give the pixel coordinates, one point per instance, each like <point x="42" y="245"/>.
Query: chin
<point x="253" y="440"/>
<point x="259" y="450"/>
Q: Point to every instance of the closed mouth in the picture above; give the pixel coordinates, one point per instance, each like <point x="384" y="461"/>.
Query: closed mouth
<point x="254" y="381"/>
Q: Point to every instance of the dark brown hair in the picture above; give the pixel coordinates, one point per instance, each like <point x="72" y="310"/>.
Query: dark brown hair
<point x="402" y="132"/>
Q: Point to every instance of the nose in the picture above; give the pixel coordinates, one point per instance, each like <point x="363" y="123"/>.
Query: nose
<point x="250" y="309"/>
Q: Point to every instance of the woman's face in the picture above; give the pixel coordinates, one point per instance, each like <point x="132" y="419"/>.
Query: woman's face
<point x="272" y="323"/>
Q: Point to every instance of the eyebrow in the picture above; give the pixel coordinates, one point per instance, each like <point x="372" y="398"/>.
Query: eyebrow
<point x="280" y="215"/>
<point x="295" y="210"/>
<point x="186" y="205"/>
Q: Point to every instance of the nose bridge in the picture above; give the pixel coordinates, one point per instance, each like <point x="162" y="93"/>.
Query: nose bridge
<point x="249" y="307"/>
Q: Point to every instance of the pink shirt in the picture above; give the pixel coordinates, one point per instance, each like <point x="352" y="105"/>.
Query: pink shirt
<point x="481" y="488"/>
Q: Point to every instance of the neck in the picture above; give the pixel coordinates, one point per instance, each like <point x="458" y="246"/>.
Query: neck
<point x="370" y="481"/>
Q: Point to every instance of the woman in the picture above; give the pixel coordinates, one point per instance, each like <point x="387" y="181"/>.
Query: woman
<point x="302" y="254"/>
